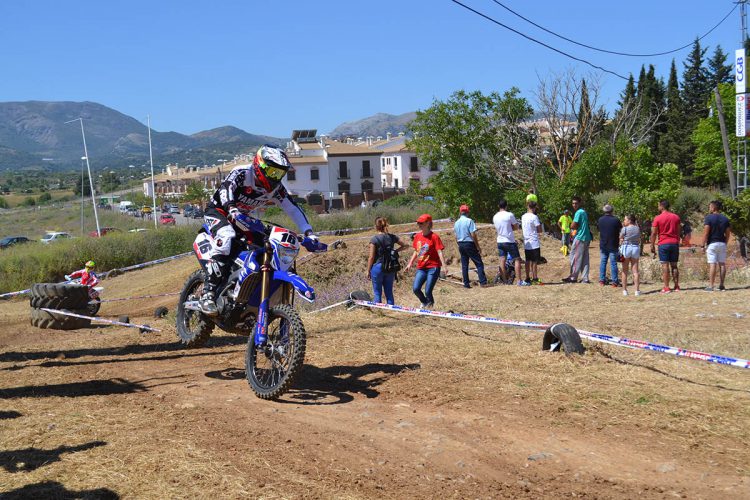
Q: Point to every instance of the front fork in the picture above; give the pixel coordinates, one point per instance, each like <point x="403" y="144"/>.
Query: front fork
<point x="260" y="333"/>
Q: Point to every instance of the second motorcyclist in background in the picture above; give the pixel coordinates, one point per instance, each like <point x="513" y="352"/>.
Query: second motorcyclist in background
<point x="87" y="275"/>
<point x="246" y="188"/>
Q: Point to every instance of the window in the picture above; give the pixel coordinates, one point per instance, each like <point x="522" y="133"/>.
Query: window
<point x="314" y="174"/>
<point x="413" y="165"/>
<point x="382" y="162"/>
<point x="343" y="187"/>
<point x="367" y="187"/>
<point x="291" y="175"/>
<point x="343" y="170"/>
<point x="395" y="183"/>
<point x="395" y="161"/>
<point x="366" y="169"/>
<point x="433" y="166"/>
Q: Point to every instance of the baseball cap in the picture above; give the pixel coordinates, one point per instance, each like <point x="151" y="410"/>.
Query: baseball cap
<point x="424" y="218"/>
<point x="463" y="208"/>
<point x="608" y="208"/>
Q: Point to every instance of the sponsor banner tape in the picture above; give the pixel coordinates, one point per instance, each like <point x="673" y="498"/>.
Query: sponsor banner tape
<point x="135" y="298"/>
<point x="13" y="294"/>
<point x="596" y="337"/>
<point x="336" y="232"/>
<point x="101" y="320"/>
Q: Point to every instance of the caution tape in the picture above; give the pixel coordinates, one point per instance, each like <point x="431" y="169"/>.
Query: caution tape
<point x="13" y="294"/>
<point x="596" y="337"/>
<point x="101" y="320"/>
<point x="337" y="232"/>
<point x="135" y="298"/>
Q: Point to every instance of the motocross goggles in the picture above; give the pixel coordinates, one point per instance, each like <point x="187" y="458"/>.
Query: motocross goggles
<point x="272" y="171"/>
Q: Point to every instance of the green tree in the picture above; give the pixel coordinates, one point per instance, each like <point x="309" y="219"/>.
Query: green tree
<point x="86" y="186"/>
<point x="483" y="143"/>
<point x="44" y="198"/>
<point x="3" y="203"/>
<point x="642" y="182"/>
<point x="695" y="85"/>
<point x="718" y="69"/>
<point x="194" y="193"/>
<point x="674" y="144"/>
<point x="710" y="165"/>
<point x="628" y="93"/>
<point x="109" y="182"/>
<point x="28" y="202"/>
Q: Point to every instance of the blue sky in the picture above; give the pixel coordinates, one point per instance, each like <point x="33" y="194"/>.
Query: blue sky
<point x="271" y="66"/>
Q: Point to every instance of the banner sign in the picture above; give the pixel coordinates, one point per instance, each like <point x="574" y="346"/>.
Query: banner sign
<point x="739" y="71"/>
<point x="739" y="111"/>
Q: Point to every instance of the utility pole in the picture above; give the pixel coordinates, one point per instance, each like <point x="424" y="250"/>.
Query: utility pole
<point x="725" y="140"/>
<point x="740" y="183"/>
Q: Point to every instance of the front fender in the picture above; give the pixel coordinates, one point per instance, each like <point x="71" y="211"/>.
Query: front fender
<point x="303" y="289"/>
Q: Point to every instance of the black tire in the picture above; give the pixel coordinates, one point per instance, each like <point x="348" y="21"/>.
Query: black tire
<point x="160" y="312"/>
<point x="53" y="321"/>
<point x="565" y="336"/>
<point x="270" y="369"/>
<point x="93" y="306"/>
<point x="60" y="295"/>
<point x="193" y="327"/>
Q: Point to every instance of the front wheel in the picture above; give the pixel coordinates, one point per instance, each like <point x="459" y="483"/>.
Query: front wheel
<point x="272" y="367"/>
<point x="93" y="306"/>
<point x="193" y="327"/>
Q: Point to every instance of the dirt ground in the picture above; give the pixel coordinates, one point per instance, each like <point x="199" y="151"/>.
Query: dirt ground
<point x="388" y="405"/>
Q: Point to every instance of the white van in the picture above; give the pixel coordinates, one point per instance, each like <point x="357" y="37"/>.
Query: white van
<point x="125" y="205"/>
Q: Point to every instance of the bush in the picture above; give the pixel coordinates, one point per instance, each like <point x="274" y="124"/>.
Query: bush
<point x="35" y="263"/>
<point x="45" y="197"/>
<point x="3" y="203"/>
<point x="28" y="202"/>
<point x="692" y="200"/>
<point x="738" y="211"/>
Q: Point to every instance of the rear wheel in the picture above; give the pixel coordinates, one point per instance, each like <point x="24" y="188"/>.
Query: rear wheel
<point x="193" y="327"/>
<point x="272" y="367"/>
<point x="94" y="305"/>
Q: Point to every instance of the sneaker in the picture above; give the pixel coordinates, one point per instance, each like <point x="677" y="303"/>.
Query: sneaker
<point x="665" y="290"/>
<point x="615" y="284"/>
<point x="721" y="288"/>
<point x="430" y="305"/>
<point x="424" y="305"/>
<point x="484" y="285"/>
<point x="602" y="283"/>
<point x="467" y="286"/>
<point x="536" y="281"/>
<point x="676" y="289"/>
<point x="637" y="293"/>
<point x="586" y="282"/>
<point x="208" y="304"/>
<point x="625" y="293"/>
<point x="569" y="280"/>
<point x="708" y="289"/>
<point x="524" y="283"/>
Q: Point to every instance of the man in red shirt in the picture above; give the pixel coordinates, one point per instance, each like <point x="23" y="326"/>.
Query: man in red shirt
<point x="428" y="255"/>
<point x="666" y="226"/>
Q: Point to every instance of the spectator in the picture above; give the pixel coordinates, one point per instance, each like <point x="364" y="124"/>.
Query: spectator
<point x="686" y="233"/>
<point x="531" y="197"/>
<point x="579" y="253"/>
<point x="532" y="228"/>
<point x="564" y="224"/>
<point x="468" y="246"/>
<point x="505" y="223"/>
<point x="609" y="232"/>
<point x="428" y="252"/>
<point x="666" y="227"/>
<point x="630" y="249"/>
<point x="715" y="237"/>
<point x="379" y="245"/>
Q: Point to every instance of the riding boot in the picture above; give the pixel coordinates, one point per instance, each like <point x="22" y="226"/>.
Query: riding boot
<point x="216" y="269"/>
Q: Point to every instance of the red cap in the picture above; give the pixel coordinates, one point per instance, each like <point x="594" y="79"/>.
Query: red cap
<point x="424" y="218"/>
<point x="463" y="208"/>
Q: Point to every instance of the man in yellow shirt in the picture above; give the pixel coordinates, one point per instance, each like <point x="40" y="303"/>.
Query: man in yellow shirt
<point x="564" y="224"/>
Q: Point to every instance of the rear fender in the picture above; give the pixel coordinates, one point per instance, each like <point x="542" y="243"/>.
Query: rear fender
<point x="303" y="289"/>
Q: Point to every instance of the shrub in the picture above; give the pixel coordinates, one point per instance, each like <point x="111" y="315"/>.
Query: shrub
<point x="692" y="200"/>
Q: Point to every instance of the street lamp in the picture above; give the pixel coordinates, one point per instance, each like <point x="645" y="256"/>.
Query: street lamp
<point x="91" y="180"/>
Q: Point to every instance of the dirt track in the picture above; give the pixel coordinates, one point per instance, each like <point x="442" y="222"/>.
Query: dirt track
<point x="387" y="407"/>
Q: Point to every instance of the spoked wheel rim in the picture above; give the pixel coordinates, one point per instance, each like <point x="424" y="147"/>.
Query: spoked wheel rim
<point x="192" y="319"/>
<point x="273" y="359"/>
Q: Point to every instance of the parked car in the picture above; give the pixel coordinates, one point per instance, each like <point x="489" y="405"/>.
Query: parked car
<point x="146" y="209"/>
<point x="13" y="240"/>
<point x="103" y="231"/>
<point x="197" y="214"/>
<point x="188" y="211"/>
<point x="174" y="209"/>
<point x="167" y="219"/>
<point x="138" y="230"/>
<point x="55" y="236"/>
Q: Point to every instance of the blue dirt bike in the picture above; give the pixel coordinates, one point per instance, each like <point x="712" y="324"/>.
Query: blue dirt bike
<point x="257" y="299"/>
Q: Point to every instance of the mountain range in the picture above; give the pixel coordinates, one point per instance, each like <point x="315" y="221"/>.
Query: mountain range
<point x="34" y="134"/>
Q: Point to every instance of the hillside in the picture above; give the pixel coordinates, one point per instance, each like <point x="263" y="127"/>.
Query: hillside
<point x="375" y="125"/>
<point x="33" y="130"/>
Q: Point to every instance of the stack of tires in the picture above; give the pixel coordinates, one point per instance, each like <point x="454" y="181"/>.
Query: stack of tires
<point x="59" y="296"/>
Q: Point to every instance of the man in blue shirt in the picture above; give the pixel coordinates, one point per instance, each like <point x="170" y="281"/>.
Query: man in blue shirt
<point x="468" y="246"/>
<point x="716" y="232"/>
<point x="579" y="252"/>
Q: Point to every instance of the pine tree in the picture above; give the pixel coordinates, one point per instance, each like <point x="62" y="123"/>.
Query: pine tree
<point x="674" y="144"/>
<point x="718" y="70"/>
<point x="628" y="94"/>
<point x="695" y="85"/>
<point x="584" y="110"/>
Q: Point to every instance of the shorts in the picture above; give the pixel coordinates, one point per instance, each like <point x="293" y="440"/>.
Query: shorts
<point x="669" y="252"/>
<point x="509" y="250"/>
<point x="533" y="255"/>
<point x="630" y="251"/>
<point x="716" y="253"/>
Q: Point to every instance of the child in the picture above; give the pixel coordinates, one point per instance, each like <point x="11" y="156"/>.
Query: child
<point x="428" y="254"/>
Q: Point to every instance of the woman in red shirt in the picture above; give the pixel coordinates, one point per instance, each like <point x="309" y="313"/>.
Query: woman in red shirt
<point x="428" y="254"/>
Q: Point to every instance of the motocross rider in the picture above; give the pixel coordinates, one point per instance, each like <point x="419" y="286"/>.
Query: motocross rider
<point x="246" y="188"/>
<point x="87" y="275"/>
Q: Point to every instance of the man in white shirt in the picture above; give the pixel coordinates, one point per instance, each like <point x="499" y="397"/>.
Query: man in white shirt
<point x="532" y="228"/>
<point x="505" y="222"/>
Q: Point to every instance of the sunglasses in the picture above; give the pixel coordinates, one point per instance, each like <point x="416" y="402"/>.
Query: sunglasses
<point x="272" y="172"/>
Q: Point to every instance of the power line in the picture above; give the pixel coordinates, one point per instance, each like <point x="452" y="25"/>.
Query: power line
<point x="614" y="51"/>
<point x="537" y="41"/>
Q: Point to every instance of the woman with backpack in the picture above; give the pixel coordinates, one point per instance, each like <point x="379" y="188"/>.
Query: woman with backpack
<point x="383" y="263"/>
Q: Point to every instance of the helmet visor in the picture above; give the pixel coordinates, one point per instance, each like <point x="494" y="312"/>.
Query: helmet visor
<point x="272" y="172"/>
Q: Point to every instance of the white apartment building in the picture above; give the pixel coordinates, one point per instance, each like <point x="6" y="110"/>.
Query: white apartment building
<point x="399" y="165"/>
